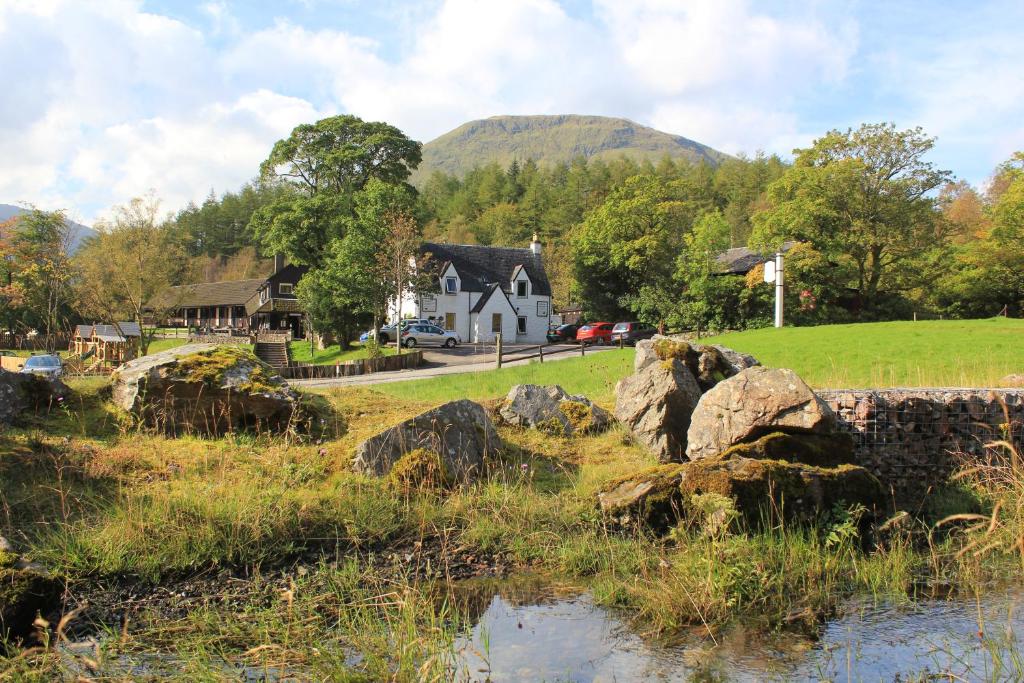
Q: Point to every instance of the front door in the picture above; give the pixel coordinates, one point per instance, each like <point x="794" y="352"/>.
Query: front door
<point x="496" y="323"/>
<point x="449" y="321"/>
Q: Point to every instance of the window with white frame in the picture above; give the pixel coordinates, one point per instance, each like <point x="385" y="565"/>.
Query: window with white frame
<point x="286" y="288"/>
<point x="522" y="289"/>
<point x="451" y="285"/>
<point x="522" y="324"/>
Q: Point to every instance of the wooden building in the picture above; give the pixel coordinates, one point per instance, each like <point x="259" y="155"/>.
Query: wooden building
<point x="104" y="347"/>
<point x="242" y="306"/>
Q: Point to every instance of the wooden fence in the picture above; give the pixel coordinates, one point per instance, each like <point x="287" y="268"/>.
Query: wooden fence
<point x="40" y="342"/>
<point x="365" y="366"/>
<point x="538" y="352"/>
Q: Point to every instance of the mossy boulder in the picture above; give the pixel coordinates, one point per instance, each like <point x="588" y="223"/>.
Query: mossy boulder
<point x="460" y="433"/>
<point x="655" y="404"/>
<point x="206" y="389"/>
<point x="22" y="393"/>
<point x="755" y="402"/>
<point x="819" y="450"/>
<point x="708" y="364"/>
<point x="763" y="488"/>
<point x="26" y="591"/>
<point x="650" y="499"/>
<point x="551" y="409"/>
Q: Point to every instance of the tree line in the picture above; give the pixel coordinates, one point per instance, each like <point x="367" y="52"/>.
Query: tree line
<point x="874" y="231"/>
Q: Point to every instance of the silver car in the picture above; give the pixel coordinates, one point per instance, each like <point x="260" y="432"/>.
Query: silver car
<point x="49" y="366"/>
<point x="389" y="333"/>
<point x="422" y="335"/>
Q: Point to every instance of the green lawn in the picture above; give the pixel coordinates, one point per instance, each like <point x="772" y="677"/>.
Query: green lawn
<point x="158" y="345"/>
<point x="299" y="351"/>
<point x="965" y="353"/>
<point x="594" y="376"/>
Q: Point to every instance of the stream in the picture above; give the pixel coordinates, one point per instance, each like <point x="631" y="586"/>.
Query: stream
<point x="553" y="636"/>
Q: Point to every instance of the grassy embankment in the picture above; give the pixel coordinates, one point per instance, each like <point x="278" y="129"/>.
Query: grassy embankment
<point x="300" y="352"/>
<point x="335" y="563"/>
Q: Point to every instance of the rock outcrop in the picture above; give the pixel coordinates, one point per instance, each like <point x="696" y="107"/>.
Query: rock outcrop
<point x="655" y="404"/>
<point x="752" y="403"/>
<point x="205" y="389"/>
<point x="551" y="409"/>
<point x="21" y="392"/>
<point x="27" y="590"/>
<point x="460" y="432"/>
<point x="709" y="364"/>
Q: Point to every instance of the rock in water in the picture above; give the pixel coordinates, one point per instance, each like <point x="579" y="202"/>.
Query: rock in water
<point x="26" y="590"/>
<point x="551" y="409"/>
<point x="206" y="389"/>
<point x="656" y="404"/>
<point x="22" y="391"/>
<point x="459" y="432"/>
<point x="755" y="402"/>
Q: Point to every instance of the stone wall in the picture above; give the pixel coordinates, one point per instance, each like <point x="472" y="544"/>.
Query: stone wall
<point x="913" y="439"/>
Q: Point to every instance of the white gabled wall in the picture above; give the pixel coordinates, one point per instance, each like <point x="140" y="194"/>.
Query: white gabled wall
<point x="482" y="320"/>
<point x="536" y="318"/>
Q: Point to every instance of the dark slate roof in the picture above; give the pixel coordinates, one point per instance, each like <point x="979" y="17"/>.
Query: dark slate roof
<point x="482" y="301"/>
<point x="231" y="293"/>
<point x="109" y="333"/>
<point x="741" y="260"/>
<point x="479" y="266"/>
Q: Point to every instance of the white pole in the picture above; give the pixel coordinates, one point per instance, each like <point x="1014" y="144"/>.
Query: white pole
<point x="778" y="289"/>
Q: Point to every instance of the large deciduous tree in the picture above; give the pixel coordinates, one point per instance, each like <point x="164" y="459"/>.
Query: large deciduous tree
<point x="125" y="271"/>
<point x="327" y="163"/>
<point x="862" y="196"/>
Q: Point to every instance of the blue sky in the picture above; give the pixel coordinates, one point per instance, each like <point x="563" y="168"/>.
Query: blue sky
<point x="111" y="99"/>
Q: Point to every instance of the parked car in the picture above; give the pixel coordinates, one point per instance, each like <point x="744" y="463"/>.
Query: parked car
<point x="595" y="333"/>
<point x="563" y="333"/>
<point x="47" y="365"/>
<point x="390" y="333"/>
<point x="422" y="335"/>
<point x="631" y="333"/>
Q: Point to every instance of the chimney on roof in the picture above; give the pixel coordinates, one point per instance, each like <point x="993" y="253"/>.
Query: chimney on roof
<point x="278" y="263"/>
<point x="535" y="245"/>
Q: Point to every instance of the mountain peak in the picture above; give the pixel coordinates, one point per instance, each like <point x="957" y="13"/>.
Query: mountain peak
<point x="551" y="139"/>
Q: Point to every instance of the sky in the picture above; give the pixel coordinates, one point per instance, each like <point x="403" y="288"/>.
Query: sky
<point x="105" y="100"/>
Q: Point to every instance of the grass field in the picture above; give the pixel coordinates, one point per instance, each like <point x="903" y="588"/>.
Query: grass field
<point x="299" y="352"/>
<point x="594" y="376"/>
<point x="965" y="353"/>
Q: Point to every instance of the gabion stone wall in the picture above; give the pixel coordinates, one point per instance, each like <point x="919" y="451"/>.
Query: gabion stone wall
<point x="913" y="439"/>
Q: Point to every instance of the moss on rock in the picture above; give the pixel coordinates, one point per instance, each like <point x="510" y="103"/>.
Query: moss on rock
<point x="211" y="367"/>
<point x="650" y="498"/>
<point x="820" y="450"/>
<point x="579" y="414"/>
<point x="420" y="468"/>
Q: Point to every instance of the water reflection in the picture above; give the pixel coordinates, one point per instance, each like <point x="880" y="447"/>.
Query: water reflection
<point x="551" y="634"/>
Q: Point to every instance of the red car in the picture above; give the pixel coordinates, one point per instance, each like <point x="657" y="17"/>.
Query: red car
<point x="595" y="333"/>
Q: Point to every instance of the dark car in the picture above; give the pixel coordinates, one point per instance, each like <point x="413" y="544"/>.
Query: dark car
<point x="563" y="333"/>
<point x="632" y="332"/>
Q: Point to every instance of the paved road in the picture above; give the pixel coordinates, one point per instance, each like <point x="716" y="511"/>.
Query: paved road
<point x="465" y="358"/>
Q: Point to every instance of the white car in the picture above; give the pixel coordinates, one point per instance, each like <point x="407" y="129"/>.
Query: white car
<point x="423" y="335"/>
<point x="388" y="332"/>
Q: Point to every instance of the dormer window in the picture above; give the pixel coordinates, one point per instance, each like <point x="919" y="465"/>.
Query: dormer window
<point x="286" y="288"/>
<point x="451" y="285"/>
<point x="522" y="289"/>
<point x="264" y="294"/>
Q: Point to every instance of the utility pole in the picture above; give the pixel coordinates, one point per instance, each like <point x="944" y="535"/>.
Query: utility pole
<point x="779" y="289"/>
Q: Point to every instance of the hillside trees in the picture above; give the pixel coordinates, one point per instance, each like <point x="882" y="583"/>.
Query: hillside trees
<point x="861" y="196"/>
<point x="36" y="272"/>
<point x="123" y="273"/>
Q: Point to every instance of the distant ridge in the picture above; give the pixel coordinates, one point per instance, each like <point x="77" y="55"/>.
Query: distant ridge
<point x="552" y="139"/>
<point x="79" y="232"/>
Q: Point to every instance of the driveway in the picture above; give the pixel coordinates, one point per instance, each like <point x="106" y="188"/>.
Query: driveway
<point x="463" y="358"/>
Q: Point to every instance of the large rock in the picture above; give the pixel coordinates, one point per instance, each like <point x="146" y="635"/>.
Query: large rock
<point x="459" y="432"/>
<point x="27" y="590"/>
<point x="708" y="364"/>
<point x="21" y="392"/>
<point x="751" y="404"/>
<point x="655" y="404"/>
<point x="551" y="409"/>
<point x="206" y="389"/>
<point x="658" y="498"/>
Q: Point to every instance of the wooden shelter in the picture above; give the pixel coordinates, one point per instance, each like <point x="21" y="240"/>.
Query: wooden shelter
<point x="106" y="346"/>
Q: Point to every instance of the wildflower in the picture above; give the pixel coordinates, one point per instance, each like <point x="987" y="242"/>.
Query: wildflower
<point x="524" y="468"/>
<point x="323" y="452"/>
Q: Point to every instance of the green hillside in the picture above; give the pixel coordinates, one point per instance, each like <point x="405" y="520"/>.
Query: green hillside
<point x="550" y="139"/>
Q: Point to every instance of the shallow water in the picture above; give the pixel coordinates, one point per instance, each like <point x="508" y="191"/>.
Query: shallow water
<point x="552" y="636"/>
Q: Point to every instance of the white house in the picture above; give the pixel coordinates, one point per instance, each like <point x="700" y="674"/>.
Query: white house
<point x="486" y="290"/>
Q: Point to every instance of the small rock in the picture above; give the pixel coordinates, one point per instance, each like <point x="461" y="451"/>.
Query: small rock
<point x="551" y="409"/>
<point x="1012" y="381"/>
